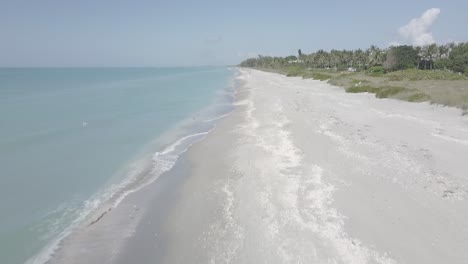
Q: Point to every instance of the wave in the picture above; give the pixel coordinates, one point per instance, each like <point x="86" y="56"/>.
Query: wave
<point x="138" y="174"/>
<point x="215" y="118"/>
<point x="104" y="201"/>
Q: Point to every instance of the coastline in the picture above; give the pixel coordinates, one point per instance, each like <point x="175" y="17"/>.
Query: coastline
<point x="109" y="209"/>
<point x="301" y="172"/>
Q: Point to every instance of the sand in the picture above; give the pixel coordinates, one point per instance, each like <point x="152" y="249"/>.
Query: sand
<point x="302" y="172"/>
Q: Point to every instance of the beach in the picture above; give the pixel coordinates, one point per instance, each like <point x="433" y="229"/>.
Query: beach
<point x="299" y="172"/>
<point x="75" y="142"/>
<point x="233" y="132"/>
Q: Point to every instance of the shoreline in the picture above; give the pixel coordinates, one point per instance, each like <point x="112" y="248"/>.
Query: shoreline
<point x="300" y="171"/>
<point x="119" y="211"/>
<point x="110" y="205"/>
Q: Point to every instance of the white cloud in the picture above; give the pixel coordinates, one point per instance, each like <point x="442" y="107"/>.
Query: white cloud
<point x="417" y="31"/>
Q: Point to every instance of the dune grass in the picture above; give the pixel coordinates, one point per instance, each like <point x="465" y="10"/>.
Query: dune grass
<point x="363" y="89"/>
<point x="439" y="87"/>
<point x="444" y="88"/>
<point x="417" y="75"/>
<point x="295" y="71"/>
<point x="387" y="91"/>
<point x="317" y="76"/>
<point x="418" y="97"/>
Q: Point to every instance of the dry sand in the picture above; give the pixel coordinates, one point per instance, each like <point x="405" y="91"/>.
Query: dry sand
<point x="302" y="172"/>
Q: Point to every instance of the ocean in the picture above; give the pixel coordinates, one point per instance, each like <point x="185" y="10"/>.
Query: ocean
<point x="73" y="138"/>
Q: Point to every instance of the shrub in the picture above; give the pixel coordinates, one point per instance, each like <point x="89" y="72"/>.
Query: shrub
<point x="294" y="71"/>
<point x="358" y="81"/>
<point x="376" y="69"/>
<point x="362" y="89"/>
<point x="395" y="77"/>
<point x="380" y="92"/>
<point x="387" y="91"/>
<point x="342" y="68"/>
<point x="415" y="75"/>
<point x="418" y="97"/>
<point x="442" y="64"/>
<point x="320" y="76"/>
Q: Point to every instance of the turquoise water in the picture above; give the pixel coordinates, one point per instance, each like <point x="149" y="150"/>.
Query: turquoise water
<point x="68" y="134"/>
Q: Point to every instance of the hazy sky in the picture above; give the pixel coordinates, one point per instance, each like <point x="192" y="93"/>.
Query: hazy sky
<point x="186" y="33"/>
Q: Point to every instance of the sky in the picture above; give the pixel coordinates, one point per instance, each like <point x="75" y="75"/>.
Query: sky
<point x="118" y="33"/>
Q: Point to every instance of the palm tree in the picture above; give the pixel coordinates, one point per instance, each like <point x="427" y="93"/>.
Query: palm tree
<point x="423" y="53"/>
<point x="432" y="51"/>
<point x="443" y="51"/>
<point x="335" y="58"/>
<point x="375" y="56"/>
<point x="348" y="58"/>
<point x="451" y="45"/>
<point x="359" y="58"/>
<point x="321" y="58"/>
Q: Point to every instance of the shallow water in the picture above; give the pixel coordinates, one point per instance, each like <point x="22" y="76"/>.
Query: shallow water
<point x="70" y="138"/>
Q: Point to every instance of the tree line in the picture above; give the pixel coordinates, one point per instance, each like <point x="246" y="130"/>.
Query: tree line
<point x="452" y="57"/>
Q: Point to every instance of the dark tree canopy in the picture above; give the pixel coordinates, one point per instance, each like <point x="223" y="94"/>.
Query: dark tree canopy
<point x="459" y="58"/>
<point x="401" y="58"/>
<point x="453" y="57"/>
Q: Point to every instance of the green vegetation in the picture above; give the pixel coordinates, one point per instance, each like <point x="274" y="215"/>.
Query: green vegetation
<point x="376" y="70"/>
<point x="458" y="59"/>
<point x="416" y="75"/>
<point x="401" y="58"/>
<point x="358" y="81"/>
<point x="450" y="57"/>
<point x="412" y="95"/>
<point x="294" y="71"/>
<point x="362" y="89"/>
<point x="386" y="92"/>
<point x="419" y="97"/>
<point x="318" y="76"/>
<point x="435" y="73"/>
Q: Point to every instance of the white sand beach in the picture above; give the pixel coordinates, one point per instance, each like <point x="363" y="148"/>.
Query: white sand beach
<point x="302" y="172"/>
